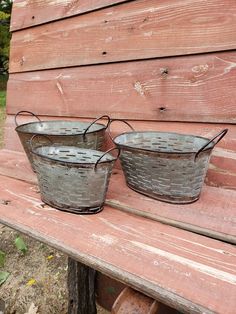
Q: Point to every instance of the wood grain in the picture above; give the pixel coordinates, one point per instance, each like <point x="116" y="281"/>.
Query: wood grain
<point x="190" y="91"/>
<point x="31" y="13"/>
<point x="156" y="259"/>
<point x="81" y="288"/>
<point x="212" y="215"/>
<point x="130" y="31"/>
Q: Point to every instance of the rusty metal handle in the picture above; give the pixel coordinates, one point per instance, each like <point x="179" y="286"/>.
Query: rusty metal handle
<point x="108" y="151"/>
<point x="220" y="136"/>
<point x="104" y="116"/>
<point x="29" y="112"/>
<point x="37" y="135"/>
<point x="120" y="120"/>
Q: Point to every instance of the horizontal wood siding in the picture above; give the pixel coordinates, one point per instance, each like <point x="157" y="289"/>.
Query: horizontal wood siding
<point x="30" y="13"/>
<point x="185" y="88"/>
<point x="134" y="30"/>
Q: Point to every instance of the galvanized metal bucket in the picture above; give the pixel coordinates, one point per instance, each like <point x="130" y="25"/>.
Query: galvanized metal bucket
<point x="71" y="133"/>
<point x="167" y="166"/>
<point x="73" y="179"/>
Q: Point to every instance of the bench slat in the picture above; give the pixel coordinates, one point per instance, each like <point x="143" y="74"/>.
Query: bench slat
<point x="212" y="215"/>
<point x="123" y="246"/>
<point x="134" y="30"/>
<point x="191" y="91"/>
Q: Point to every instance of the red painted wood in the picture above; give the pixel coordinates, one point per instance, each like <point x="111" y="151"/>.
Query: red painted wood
<point x="31" y="13"/>
<point x="134" y="30"/>
<point x="16" y="165"/>
<point x="212" y="215"/>
<point x="191" y="91"/>
<point x="159" y="260"/>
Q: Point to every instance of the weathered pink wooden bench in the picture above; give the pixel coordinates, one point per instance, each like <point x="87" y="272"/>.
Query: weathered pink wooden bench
<point x="66" y="64"/>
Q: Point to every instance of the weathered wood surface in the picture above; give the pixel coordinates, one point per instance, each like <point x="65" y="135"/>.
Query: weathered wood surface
<point x="212" y="215"/>
<point x="31" y="13"/>
<point x="158" y="260"/>
<point x="190" y="91"/>
<point x="135" y="30"/>
<point x="81" y="287"/>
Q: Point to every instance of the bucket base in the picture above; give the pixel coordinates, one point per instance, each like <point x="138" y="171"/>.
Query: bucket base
<point x="166" y="198"/>
<point x="79" y="210"/>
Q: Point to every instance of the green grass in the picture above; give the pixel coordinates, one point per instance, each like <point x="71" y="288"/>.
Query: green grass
<point x="2" y="98"/>
<point x="3" y="82"/>
<point x="2" y="114"/>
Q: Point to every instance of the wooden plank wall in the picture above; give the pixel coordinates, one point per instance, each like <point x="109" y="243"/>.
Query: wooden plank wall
<point x="165" y="65"/>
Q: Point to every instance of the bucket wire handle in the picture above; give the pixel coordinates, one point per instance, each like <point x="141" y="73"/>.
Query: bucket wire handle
<point x="220" y="135"/>
<point x="104" y="116"/>
<point x="18" y="113"/>
<point x="108" y="151"/>
<point x="36" y="135"/>
<point x="121" y="120"/>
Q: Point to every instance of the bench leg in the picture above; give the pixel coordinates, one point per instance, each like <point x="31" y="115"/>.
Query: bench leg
<point x="81" y="288"/>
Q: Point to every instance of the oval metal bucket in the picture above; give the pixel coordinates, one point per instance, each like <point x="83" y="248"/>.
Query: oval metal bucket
<point x="73" y="179"/>
<point x="72" y="133"/>
<point x="170" y="167"/>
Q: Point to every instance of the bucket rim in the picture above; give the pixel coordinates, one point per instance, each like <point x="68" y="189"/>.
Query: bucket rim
<point x="125" y="146"/>
<point x="18" y="128"/>
<point x="71" y="163"/>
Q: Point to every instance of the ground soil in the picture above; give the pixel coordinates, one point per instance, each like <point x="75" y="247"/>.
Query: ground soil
<point x="38" y="278"/>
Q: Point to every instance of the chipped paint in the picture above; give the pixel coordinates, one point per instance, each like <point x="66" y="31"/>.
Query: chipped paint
<point x="32" y="212"/>
<point x="34" y="201"/>
<point x="231" y="65"/>
<point x="207" y="270"/>
<point x="20" y="4"/>
<point x="23" y="4"/>
<point x="28" y="38"/>
<point x="199" y="244"/>
<point x="139" y="88"/>
<point x="106" y="239"/>
<point x="200" y="69"/>
<point x="224" y="153"/>
<point x="108" y="39"/>
<point x="59" y="86"/>
<point x="148" y="34"/>
<point x="110" y="224"/>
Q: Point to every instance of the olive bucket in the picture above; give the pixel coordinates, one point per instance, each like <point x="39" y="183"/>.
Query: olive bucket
<point x="73" y="179"/>
<point x="167" y="166"/>
<point x="62" y="132"/>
